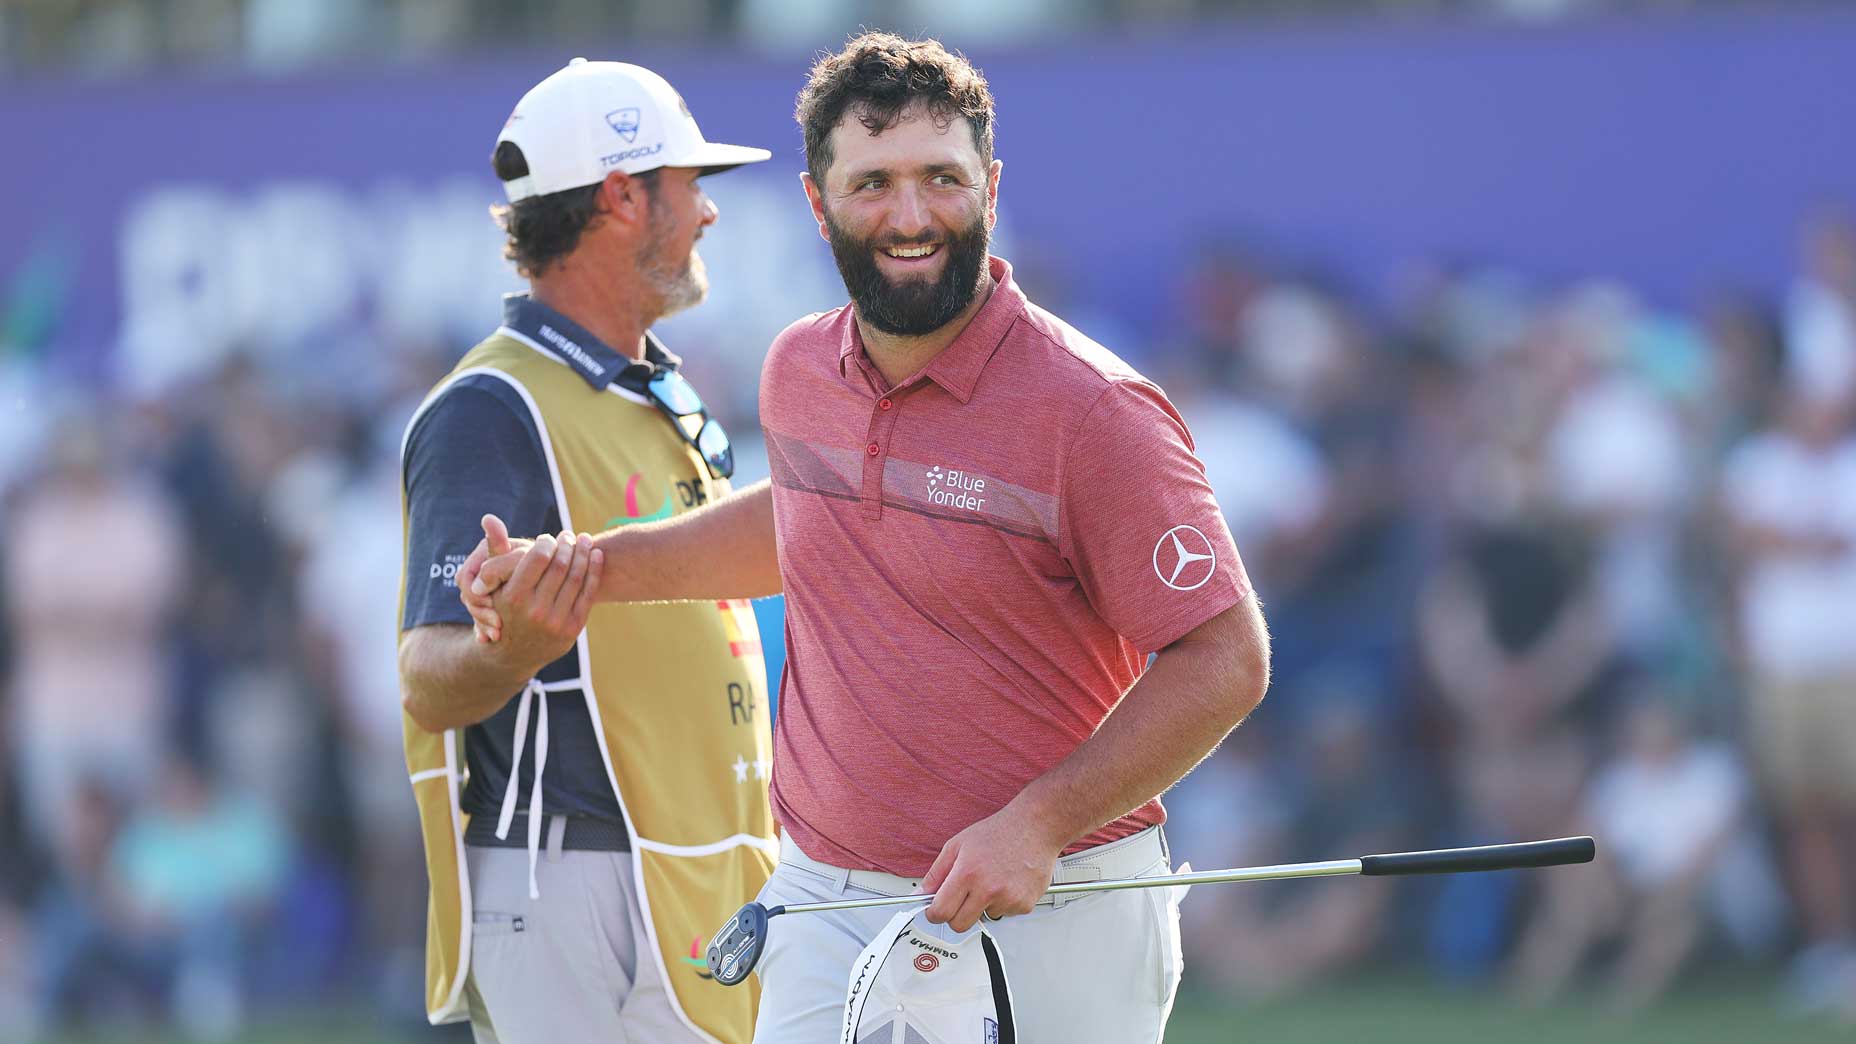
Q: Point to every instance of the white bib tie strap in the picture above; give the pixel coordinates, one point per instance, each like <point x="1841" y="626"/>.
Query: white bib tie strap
<point x="531" y="693"/>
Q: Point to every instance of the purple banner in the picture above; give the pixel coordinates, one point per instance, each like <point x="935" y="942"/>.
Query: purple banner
<point x="159" y="222"/>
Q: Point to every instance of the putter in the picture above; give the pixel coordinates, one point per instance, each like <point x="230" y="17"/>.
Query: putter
<point x="737" y="947"/>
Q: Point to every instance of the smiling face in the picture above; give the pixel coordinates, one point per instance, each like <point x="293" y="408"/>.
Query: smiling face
<point x="909" y="214"/>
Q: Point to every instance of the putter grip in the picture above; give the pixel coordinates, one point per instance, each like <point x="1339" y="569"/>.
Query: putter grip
<point x="1557" y="852"/>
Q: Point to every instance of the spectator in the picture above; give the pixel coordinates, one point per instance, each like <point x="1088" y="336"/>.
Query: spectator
<point x="1267" y="940"/>
<point x="1616" y="463"/>
<point x="1790" y="496"/>
<point x="349" y="617"/>
<point x="1271" y="481"/>
<point x="1514" y="641"/>
<point x="1668" y="806"/>
<point x="1820" y="312"/>
<point x="84" y="962"/>
<point x="197" y="869"/>
<point x="1231" y="811"/>
<point x="90" y="689"/>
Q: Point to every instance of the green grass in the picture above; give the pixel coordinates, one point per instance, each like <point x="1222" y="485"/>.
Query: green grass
<point x="345" y="1028"/>
<point x="1719" y="1009"/>
<point x="1383" y="1012"/>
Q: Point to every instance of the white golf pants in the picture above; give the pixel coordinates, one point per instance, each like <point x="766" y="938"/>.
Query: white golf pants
<point x="1094" y="968"/>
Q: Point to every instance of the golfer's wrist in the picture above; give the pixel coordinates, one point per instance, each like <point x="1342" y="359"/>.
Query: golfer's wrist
<point x="1046" y="818"/>
<point x="620" y="551"/>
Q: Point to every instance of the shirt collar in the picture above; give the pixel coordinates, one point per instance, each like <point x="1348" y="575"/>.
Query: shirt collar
<point x="957" y="368"/>
<point x="591" y="358"/>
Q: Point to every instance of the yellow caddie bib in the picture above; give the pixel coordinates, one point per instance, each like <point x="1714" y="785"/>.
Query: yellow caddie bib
<point x="675" y="690"/>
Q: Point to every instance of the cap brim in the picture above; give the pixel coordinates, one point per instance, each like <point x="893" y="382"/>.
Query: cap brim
<point x="714" y="158"/>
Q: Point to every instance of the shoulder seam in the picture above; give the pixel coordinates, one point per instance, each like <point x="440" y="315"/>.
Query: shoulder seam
<point x="1067" y="350"/>
<point x="455" y="382"/>
<point x="540" y="426"/>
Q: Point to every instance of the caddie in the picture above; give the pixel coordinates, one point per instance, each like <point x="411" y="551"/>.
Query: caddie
<point x="592" y="788"/>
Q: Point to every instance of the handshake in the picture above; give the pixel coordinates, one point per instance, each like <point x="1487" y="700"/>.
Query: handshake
<point x="531" y="596"/>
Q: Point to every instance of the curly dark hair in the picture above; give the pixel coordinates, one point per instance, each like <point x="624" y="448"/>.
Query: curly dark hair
<point x="541" y="230"/>
<point x="878" y="76"/>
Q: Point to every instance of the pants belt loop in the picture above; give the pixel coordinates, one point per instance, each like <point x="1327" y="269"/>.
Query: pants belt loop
<point x="557" y="836"/>
<point x="1072" y="874"/>
<point x="1083" y="868"/>
<point x="840" y="878"/>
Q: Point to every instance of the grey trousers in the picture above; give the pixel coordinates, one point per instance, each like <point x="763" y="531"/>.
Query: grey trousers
<point x="573" y="965"/>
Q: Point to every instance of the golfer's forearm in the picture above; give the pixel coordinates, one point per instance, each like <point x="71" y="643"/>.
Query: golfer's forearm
<point x="1196" y="692"/>
<point x="449" y="680"/>
<point x="723" y="550"/>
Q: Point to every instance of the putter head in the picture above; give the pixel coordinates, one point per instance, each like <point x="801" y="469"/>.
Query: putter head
<point x="735" y="950"/>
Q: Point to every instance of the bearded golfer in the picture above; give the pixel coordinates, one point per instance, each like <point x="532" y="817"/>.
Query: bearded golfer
<point x="983" y="522"/>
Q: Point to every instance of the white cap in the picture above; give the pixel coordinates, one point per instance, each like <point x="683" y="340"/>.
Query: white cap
<point x="921" y="983"/>
<point x="593" y="118"/>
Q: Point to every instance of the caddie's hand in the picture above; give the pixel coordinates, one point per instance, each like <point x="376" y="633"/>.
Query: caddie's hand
<point x="496" y="543"/>
<point x="545" y="603"/>
<point x="999" y="866"/>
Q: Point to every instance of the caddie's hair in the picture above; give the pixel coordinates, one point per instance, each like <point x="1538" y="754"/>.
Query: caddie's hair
<point x="878" y="77"/>
<point x="541" y="230"/>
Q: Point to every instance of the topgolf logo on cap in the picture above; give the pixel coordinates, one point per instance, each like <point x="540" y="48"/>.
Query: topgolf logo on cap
<point x="624" y="122"/>
<point x="1184" y="559"/>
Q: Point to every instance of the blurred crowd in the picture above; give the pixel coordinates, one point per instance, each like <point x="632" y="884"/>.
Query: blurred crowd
<point x="1537" y="561"/>
<point x="204" y="801"/>
<point x="110" y="36"/>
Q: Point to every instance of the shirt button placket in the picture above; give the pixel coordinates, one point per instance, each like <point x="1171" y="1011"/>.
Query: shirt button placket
<point x="876" y="454"/>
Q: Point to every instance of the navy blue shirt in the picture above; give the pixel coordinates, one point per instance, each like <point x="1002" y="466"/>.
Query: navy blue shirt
<point x="475" y="450"/>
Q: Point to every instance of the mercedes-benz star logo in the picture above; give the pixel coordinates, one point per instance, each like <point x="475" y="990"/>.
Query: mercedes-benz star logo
<point x="1182" y="548"/>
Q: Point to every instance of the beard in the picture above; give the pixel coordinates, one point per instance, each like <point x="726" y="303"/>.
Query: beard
<point x="677" y="285"/>
<point x="916" y="306"/>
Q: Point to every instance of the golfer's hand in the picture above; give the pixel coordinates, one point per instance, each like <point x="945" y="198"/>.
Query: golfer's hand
<point x="496" y="546"/>
<point x="999" y="866"/>
<point x="544" y="605"/>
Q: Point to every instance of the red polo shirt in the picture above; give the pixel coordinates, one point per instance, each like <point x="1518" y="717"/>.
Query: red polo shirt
<point x="977" y="562"/>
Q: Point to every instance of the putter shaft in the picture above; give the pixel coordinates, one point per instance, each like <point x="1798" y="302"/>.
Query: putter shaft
<point x="1332" y="868"/>
<point x="1557" y="852"/>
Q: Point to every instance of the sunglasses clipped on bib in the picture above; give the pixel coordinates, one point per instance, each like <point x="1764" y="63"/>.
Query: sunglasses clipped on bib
<point x="677" y="398"/>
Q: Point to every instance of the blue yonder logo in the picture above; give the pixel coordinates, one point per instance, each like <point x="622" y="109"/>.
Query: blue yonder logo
<point x="625" y="122"/>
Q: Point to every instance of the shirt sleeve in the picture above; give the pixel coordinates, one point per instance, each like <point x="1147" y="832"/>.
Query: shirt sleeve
<point x="1139" y="524"/>
<point x="476" y="450"/>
